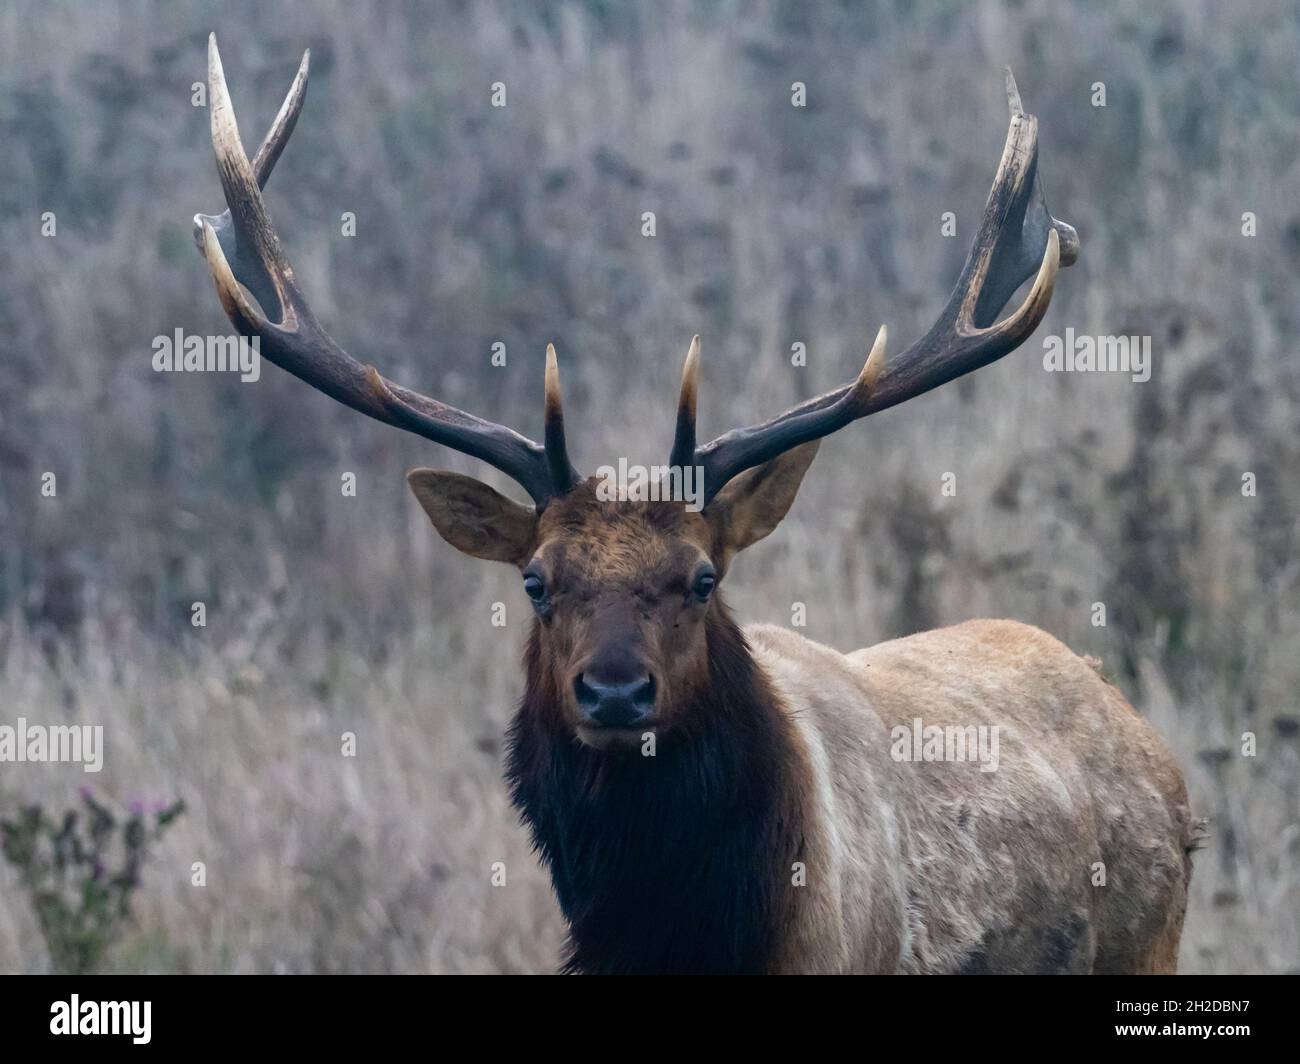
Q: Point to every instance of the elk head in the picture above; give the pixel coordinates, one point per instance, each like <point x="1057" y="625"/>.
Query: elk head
<point x="625" y="591"/>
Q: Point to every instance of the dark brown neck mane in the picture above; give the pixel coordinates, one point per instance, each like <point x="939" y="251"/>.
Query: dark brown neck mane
<point x="679" y="862"/>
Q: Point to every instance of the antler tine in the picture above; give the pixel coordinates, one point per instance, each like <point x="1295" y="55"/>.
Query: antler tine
<point x="1017" y="238"/>
<point x="246" y="264"/>
<point x="243" y="194"/>
<point x="296" y="342"/>
<point x="683" y="453"/>
<point x="268" y="153"/>
<point x="563" y="476"/>
<point x="1013" y="96"/>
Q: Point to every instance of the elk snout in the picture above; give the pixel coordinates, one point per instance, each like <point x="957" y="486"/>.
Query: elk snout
<point x="615" y="697"/>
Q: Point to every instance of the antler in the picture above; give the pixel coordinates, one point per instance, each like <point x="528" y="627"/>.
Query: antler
<point x="1016" y="237"/>
<point x="295" y="341"/>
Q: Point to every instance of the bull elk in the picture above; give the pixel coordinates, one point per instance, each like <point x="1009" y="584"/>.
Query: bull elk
<point x="776" y="828"/>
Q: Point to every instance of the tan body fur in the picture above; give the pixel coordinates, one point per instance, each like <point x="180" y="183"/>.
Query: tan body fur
<point x="938" y="867"/>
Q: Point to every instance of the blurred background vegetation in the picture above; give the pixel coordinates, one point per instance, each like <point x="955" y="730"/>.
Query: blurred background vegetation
<point x="522" y="225"/>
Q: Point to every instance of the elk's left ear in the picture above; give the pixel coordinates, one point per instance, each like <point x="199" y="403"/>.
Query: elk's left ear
<point x="474" y="518"/>
<point x="754" y="503"/>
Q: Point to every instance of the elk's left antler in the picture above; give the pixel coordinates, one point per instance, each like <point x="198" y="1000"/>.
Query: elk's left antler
<point x="1017" y="236"/>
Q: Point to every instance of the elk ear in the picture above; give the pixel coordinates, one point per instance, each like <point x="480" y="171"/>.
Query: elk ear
<point x="754" y="503"/>
<point x="474" y="518"/>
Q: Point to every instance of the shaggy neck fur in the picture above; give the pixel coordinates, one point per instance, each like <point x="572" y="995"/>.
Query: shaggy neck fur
<point x="675" y="863"/>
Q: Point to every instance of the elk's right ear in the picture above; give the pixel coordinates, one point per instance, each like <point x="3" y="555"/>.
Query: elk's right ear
<point x="474" y="518"/>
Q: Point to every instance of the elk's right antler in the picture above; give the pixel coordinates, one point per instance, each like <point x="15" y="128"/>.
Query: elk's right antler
<point x="295" y="341"/>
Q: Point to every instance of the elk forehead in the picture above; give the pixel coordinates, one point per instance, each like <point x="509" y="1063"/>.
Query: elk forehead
<point x="624" y="544"/>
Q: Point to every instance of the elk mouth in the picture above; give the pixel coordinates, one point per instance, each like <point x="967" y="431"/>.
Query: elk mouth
<point x="618" y="737"/>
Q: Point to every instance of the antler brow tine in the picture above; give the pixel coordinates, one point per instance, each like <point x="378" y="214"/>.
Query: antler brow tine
<point x="683" y="452"/>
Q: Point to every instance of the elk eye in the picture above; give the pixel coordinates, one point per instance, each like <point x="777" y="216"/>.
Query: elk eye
<point x="704" y="584"/>
<point x="533" y="587"/>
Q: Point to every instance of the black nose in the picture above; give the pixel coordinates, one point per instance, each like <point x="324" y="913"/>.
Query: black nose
<point x="614" y="703"/>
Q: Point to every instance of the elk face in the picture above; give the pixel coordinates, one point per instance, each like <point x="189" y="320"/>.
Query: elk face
<point x="622" y="590"/>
